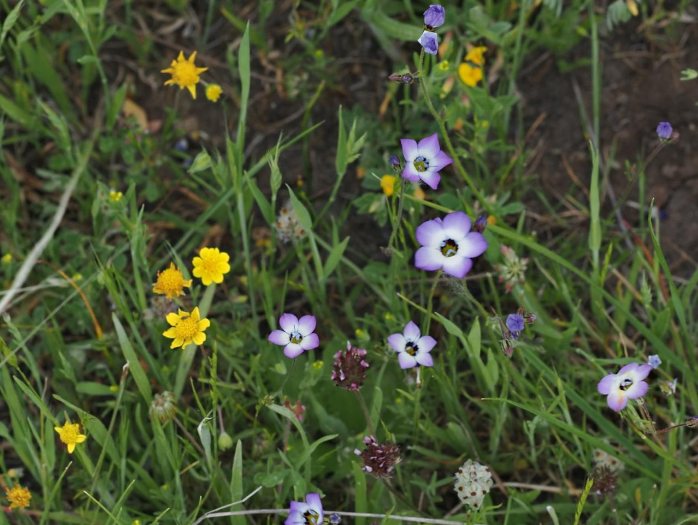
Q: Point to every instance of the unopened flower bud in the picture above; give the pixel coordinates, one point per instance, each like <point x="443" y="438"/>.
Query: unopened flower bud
<point x="224" y="441"/>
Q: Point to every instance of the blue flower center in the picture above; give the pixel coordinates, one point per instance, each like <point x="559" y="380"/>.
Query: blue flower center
<point x="421" y="164"/>
<point x="311" y="517"/>
<point x="449" y="248"/>
<point x="296" y="338"/>
<point x="625" y="384"/>
<point x="411" y="348"/>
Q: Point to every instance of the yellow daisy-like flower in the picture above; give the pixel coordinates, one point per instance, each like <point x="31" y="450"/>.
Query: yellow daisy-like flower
<point x="211" y="265"/>
<point x="184" y="73"/>
<point x="18" y="497"/>
<point x="115" y="196"/>
<point x="171" y="282"/>
<point x="469" y="75"/>
<point x="476" y="55"/>
<point x="388" y="184"/>
<point x="70" y="434"/>
<point x="213" y="92"/>
<point x="186" y="328"/>
<point x="7" y="258"/>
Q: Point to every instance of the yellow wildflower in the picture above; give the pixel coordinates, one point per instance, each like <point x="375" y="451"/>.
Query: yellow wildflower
<point x="171" y="282"/>
<point x="211" y="265"/>
<point x="184" y="73"/>
<point x="77" y="277"/>
<point x="475" y="55"/>
<point x="469" y="75"/>
<point x="70" y="434"/>
<point x="186" y="328"/>
<point x="213" y="92"/>
<point x="443" y="65"/>
<point x="115" y="196"/>
<point x="317" y="365"/>
<point x="419" y="193"/>
<point x="18" y="497"/>
<point x="388" y="184"/>
<point x="7" y="258"/>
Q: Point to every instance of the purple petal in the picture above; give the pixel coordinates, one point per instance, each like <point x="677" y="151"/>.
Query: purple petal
<point x="397" y="342"/>
<point x="409" y="150"/>
<point x="431" y="179"/>
<point x="310" y="342"/>
<point x="617" y="401"/>
<point x="426" y="343"/>
<point x="430" y="259"/>
<point x="293" y="350"/>
<point x="439" y="162"/>
<point x="288" y="323"/>
<point x="424" y="359"/>
<point x="642" y="372"/>
<point x="473" y="245"/>
<point x="430" y="233"/>
<point x="411" y="331"/>
<point x="315" y="503"/>
<point x="456" y="225"/>
<point x="429" y="147"/>
<point x="434" y="16"/>
<point x="628" y="368"/>
<point x="515" y="322"/>
<point x="299" y="506"/>
<point x="430" y="42"/>
<point x="279" y="337"/>
<point x="406" y="360"/>
<point x="457" y="266"/>
<point x="605" y="385"/>
<point x="306" y="325"/>
<point x="295" y="518"/>
<point x="410" y="172"/>
<point x="638" y="389"/>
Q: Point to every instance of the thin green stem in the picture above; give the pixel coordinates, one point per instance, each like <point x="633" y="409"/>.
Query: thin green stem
<point x="430" y="303"/>
<point x="367" y="414"/>
<point x="396" y="226"/>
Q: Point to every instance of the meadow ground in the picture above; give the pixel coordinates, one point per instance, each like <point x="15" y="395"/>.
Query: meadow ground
<point x="235" y="286"/>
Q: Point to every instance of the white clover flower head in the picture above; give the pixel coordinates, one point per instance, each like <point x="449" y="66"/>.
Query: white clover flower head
<point x="288" y="227"/>
<point x="473" y="482"/>
<point x="601" y="458"/>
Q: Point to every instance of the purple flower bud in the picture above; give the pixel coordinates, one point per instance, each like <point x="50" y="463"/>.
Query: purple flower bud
<point x="395" y="163"/>
<point x="430" y="42"/>
<point x="664" y="130"/>
<point x="407" y="78"/>
<point x="434" y="16"/>
<point x="480" y="224"/>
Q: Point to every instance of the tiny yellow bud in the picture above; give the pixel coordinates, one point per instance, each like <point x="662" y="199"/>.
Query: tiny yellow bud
<point x="7" y="258"/>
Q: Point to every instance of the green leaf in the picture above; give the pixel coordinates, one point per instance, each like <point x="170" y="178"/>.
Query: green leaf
<point x="10" y="21"/>
<point x="474" y="337"/>
<point x="450" y="327"/>
<point x="360" y="500"/>
<point x="301" y="211"/>
<point x="135" y="367"/>
<point x="236" y="488"/>
<point x="335" y="257"/>
<point x="201" y="162"/>
<point x="244" y="72"/>
<point x="342" y="158"/>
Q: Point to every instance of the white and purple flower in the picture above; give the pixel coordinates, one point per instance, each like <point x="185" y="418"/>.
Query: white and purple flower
<point x="448" y="244"/>
<point x="628" y="383"/>
<point x="429" y="41"/>
<point x="308" y="513"/>
<point x="424" y="160"/>
<point x="296" y="335"/>
<point x="435" y="16"/>
<point x="412" y="348"/>
<point x="654" y="361"/>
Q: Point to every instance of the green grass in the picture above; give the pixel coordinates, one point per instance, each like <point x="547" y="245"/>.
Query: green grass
<point x="82" y="336"/>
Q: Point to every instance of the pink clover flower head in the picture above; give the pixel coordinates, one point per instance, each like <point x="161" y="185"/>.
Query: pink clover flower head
<point x="628" y="383"/>
<point x="412" y="348"/>
<point x="308" y="513"/>
<point x="349" y="369"/>
<point x="296" y="335"/>
<point x="429" y="41"/>
<point x="435" y="16"/>
<point x="448" y="244"/>
<point x="424" y="160"/>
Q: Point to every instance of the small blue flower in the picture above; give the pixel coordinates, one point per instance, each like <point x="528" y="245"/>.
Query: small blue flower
<point x="664" y="130"/>
<point x="515" y="323"/>
<point x="430" y="42"/>
<point x="654" y="361"/>
<point x="434" y="16"/>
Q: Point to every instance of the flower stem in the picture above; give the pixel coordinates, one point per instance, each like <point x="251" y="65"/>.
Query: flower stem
<point x="367" y="414"/>
<point x="447" y="140"/>
<point x="283" y="383"/>
<point x="430" y="303"/>
<point x="396" y="226"/>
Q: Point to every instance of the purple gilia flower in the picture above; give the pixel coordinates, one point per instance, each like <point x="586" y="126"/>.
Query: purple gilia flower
<point x="448" y="244"/>
<point x="295" y="335"/>
<point x="412" y="348"/>
<point x="350" y="368"/>
<point x="664" y="130"/>
<point x="654" y="361"/>
<point x="424" y="160"/>
<point x="379" y="460"/>
<point x="434" y="16"/>
<point x="515" y="323"/>
<point x="430" y="42"/>
<point x="628" y="383"/>
<point x="309" y="513"/>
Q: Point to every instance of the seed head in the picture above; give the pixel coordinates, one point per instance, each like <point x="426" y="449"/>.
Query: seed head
<point x="163" y="407"/>
<point x="379" y="460"/>
<point x="349" y="369"/>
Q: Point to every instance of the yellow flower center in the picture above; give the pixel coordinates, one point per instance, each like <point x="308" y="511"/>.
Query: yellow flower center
<point x="186" y="328"/>
<point x="185" y="73"/>
<point x="69" y="433"/>
<point x="411" y="348"/>
<point x="18" y="497"/>
<point x="171" y="280"/>
<point x="449" y="248"/>
<point x="421" y="164"/>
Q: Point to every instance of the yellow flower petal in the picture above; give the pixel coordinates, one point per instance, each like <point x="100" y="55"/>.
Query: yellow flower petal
<point x="81" y="438"/>
<point x="195" y="314"/>
<point x="173" y="318"/>
<point x="171" y="333"/>
<point x="199" y="338"/>
<point x="71" y="448"/>
<point x="203" y="324"/>
<point x="177" y="343"/>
